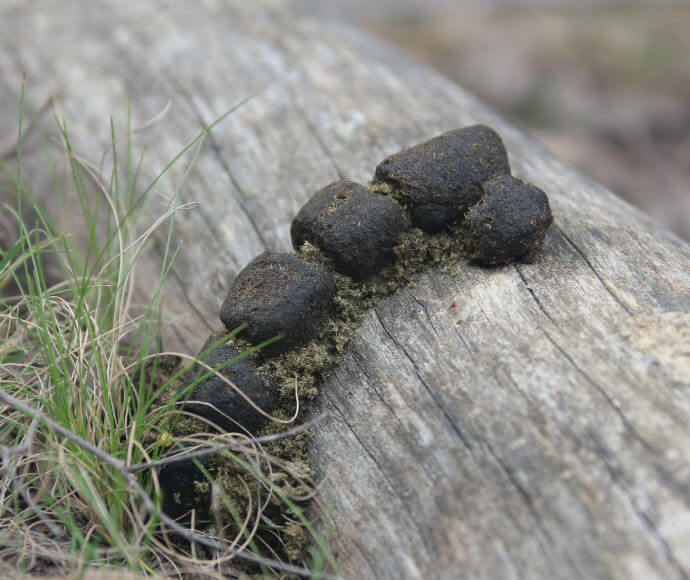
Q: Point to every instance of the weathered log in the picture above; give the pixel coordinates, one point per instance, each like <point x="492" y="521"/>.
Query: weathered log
<point x="526" y="421"/>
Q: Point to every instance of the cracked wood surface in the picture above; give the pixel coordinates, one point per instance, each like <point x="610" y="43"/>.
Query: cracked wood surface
<point x="529" y="421"/>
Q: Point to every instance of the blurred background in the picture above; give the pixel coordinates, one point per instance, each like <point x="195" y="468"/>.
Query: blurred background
<point x="604" y="84"/>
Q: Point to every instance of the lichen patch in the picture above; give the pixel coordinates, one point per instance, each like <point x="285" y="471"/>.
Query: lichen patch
<point x="666" y="337"/>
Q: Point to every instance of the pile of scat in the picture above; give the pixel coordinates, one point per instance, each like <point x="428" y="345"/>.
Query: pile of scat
<point x="433" y="204"/>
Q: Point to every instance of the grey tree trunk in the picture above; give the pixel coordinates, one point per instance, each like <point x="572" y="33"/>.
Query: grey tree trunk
<point x="530" y="421"/>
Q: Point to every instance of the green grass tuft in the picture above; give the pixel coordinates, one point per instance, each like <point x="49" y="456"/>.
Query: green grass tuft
<point x="87" y="394"/>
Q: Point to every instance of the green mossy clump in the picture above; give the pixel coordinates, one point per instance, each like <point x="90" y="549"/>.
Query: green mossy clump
<point x="295" y="538"/>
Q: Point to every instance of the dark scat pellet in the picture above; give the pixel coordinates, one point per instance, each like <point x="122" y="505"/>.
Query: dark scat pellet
<point x="184" y="487"/>
<point x="440" y="179"/>
<point x="353" y="227"/>
<point x="232" y="411"/>
<point x="509" y="223"/>
<point x="279" y="295"/>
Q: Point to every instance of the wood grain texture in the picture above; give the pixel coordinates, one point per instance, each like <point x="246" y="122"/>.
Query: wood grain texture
<point x="539" y="428"/>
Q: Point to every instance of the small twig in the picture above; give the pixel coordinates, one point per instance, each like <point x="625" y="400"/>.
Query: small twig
<point x="224" y="447"/>
<point x="33" y="413"/>
<point x="56" y="531"/>
<point x="23" y="447"/>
